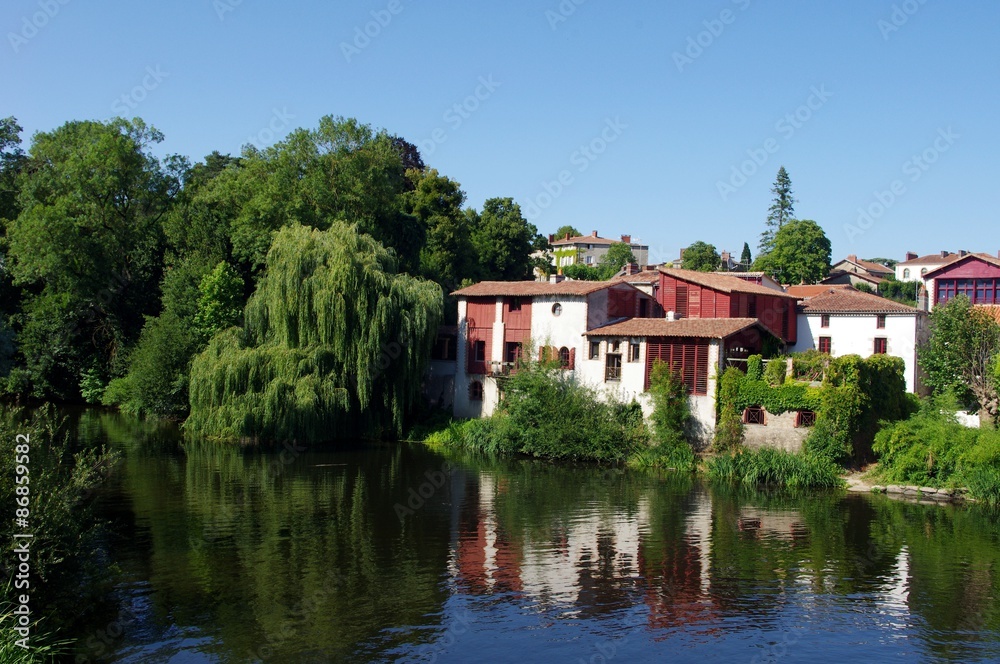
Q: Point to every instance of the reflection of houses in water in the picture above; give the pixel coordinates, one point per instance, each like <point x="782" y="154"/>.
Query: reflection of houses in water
<point x="486" y="558"/>
<point x="678" y="573"/>
<point x="772" y="524"/>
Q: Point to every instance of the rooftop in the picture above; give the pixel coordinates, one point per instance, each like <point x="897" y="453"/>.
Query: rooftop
<point x="850" y="300"/>
<point x="957" y="258"/>
<point x="532" y="288"/>
<point x="722" y="282"/>
<point x="867" y="265"/>
<point x="943" y="257"/>
<point x="702" y="328"/>
<point x="807" y="291"/>
<point x="593" y="238"/>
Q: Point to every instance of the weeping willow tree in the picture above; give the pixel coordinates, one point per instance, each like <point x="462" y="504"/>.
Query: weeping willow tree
<point x="334" y="345"/>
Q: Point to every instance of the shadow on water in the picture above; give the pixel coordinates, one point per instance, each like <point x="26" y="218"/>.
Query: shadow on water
<point x="386" y="552"/>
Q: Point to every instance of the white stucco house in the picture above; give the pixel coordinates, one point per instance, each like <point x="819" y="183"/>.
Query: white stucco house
<point x="844" y="321"/>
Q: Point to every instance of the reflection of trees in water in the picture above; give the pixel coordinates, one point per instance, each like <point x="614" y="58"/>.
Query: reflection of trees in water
<point x="288" y="557"/>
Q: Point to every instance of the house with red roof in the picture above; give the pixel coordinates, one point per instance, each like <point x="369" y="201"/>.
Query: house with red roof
<point x="854" y="271"/>
<point x="611" y="333"/>
<point x="844" y="321"/>
<point x="590" y="249"/>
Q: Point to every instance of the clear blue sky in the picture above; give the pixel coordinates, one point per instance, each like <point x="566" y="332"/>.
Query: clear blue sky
<point x="925" y="81"/>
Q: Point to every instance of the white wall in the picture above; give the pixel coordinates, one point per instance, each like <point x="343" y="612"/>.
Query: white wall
<point x="856" y="333"/>
<point x="915" y="271"/>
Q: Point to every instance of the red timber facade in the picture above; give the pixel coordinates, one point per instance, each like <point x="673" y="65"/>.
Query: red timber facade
<point x="691" y="294"/>
<point x="481" y="314"/>
<point x="975" y="275"/>
<point x="687" y="357"/>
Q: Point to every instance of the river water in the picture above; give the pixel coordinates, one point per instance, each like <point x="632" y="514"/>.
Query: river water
<point x="397" y="553"/>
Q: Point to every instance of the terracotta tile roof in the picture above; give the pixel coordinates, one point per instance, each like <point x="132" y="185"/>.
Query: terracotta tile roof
<point x="936" y="259"/>
<point x="590" y="239"/>
<point x="992" y="310"/>
<point x="703" y="328"/>
<point x="644" y="277"/>
<point x="864" y="277"/>
<point x="986" y="258"/>
<point x="868" y="265"/>
<point x="849" y="300"/>
<point x="722" y="282"/>
<point x="807" y="291"/>
<point x="531" y="288"/>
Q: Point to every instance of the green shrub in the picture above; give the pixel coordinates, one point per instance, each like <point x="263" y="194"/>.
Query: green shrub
<point x="809" y="365"/>
<point x="671" y="412"/>
<point x="983" y="483"/>
<point x="729" y="431"/>
<point x="665" y="457"/>
<point x="825" y="442"/>
<point x="769" y="467"/>
<point x="775" y="371"/>
<point x="755" y="367"/>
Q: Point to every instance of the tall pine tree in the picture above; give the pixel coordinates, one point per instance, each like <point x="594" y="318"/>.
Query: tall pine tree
<point x="781" y="211"/>
<point x="746" y="260"/>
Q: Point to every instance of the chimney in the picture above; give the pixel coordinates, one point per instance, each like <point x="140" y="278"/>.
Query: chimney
<point x="963" y="252"/>
<point x="944" y="254"/>
<point x="593" y="233"/>
<point x="627" y="239"/>
<point x="567" y="236"/>
<point x="910" y="256"/>
<point x="557" y="278"/>
<point x="671" y="316"/>
<point x="633" y="268"/>
<point x="552" y="238"/>
<point x="725" y="256"/>
<point x="853" y="258"/>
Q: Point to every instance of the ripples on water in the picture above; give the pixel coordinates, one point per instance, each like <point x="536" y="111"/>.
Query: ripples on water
<point x="372" y="554"/>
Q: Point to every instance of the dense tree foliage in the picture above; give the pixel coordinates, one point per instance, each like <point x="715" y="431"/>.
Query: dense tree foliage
<point x="746" y="259"/>
<point x="961" y="353"/>
<point x="702" y="257"/>
<point x="563" y="231"/>
<point x="87" y="247"/>
<point x="801" y="254"/>
<point x="120" y="267"/>
<point x="334" y="344"/>
<point x="504" y="240"/>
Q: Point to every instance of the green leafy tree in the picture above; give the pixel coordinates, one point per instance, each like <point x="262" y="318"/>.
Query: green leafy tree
<point x="782" y="211"/>
<point x="12" y="161"/>
<point x="87" y="247"/>
<point x="563" y="231"/>
<point x="504" y="240"/>
<point x="702" y="257"/>
<point x="334" y="345"/>
<point x="746" y="260"/>
<point x="220" y="301"/>
<point x="448" y="257"/>
<point x="961" y="352"/>
<point x="801" y="254"/>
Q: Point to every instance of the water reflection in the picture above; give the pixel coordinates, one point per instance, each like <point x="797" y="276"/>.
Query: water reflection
<point x="385" y="552"/>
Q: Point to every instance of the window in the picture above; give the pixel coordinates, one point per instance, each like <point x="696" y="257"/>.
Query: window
<point x="880" y="321"/>
<point x="824" y="320"/>
<point x="881" y="345"/>
<point x="805" y="418"/>
<point x="615" y="346"/>
<point x="751" y="306"/>
<point x="589" y="260"/>
<point x="564" y="357"/>
<point x="613" y="367"/>
<point x="754" y="415"/>
<point x="906" y="273"/>
<point x="475" y="391"/>
<point x="824" y="344"/>
<point x="633" y="352"/>
<point x="515" y="304"/>
<point x="512" y="352"/>
<point x="556" y="309"/>
<point x="923" y="271"/>
<point x="595" y="349"/>
<point x="444" y="347"/>
<point x="643" y="308"/>
<point x="478" y="351"/>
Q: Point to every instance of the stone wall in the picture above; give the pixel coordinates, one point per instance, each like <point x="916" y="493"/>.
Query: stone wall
<point x="778" y="432"/>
